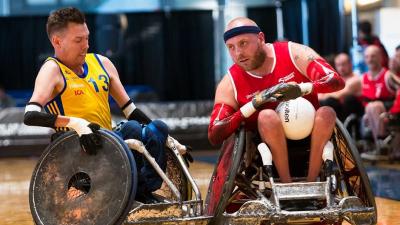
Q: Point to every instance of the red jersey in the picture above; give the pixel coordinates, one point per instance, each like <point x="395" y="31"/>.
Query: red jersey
<point x="376" y="88"/>
<point x="247" y="85"/>
<point x="396" y="105"/>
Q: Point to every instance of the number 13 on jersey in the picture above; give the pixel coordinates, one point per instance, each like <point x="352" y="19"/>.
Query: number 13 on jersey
<point x="103" y="82"/>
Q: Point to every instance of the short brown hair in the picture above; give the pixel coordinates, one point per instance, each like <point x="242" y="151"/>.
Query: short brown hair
<point x="59" y="19"/>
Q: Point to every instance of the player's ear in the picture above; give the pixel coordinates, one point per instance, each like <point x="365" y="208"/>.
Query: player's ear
<point x="55" y="41"/>
<point x="261" y="37"/>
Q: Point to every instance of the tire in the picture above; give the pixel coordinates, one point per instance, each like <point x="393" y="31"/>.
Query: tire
<point x="69" y="186"/>
<point x="351" y="169"/>
<point x="224" y="173"/>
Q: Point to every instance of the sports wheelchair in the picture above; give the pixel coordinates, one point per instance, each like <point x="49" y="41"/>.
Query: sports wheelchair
<point x="69" y="186"/>
<point x="376" y="150"/>
<point x="343" y="192"/>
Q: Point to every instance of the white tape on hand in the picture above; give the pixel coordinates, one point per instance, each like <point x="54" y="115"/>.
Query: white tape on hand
<point x="248" y="109"/>
<point x="306" y="88"/>
<point x="129" y="109"/>
<point x="79" y="125"/>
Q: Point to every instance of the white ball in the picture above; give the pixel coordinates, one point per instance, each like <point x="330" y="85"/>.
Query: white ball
<point x="297" y="118"/>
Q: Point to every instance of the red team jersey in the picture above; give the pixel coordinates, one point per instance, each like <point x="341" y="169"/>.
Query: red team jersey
<point x="247" y="85"/>
<point x="376" y="88"/>
<point x="396" y="105"/>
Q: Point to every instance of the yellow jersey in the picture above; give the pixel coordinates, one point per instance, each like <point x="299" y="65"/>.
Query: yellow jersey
<point x="84" y="96"/>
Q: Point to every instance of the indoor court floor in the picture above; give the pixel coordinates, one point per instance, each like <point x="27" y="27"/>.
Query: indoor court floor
<point x="15" y="176"/>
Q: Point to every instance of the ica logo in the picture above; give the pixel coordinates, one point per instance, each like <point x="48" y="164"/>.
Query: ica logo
<point x="78" y="92"/>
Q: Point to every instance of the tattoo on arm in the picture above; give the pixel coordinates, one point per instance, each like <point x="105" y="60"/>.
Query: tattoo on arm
<point x="311" y="57"/>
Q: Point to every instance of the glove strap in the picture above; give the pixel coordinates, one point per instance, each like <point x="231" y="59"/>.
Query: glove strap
<point x="248" y="109"/>
<point x="79" y="125"/>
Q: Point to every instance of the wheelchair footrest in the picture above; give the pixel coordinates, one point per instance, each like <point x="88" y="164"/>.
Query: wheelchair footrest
<point x="166" y="212"/>
<point x="301" y="190"/>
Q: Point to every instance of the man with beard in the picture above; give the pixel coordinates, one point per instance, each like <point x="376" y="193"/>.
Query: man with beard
<point x="259" y="66"/>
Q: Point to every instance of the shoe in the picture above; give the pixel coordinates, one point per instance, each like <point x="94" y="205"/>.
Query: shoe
<point x="146" y="198"/>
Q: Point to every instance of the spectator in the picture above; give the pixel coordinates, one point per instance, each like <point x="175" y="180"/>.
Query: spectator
<point x="377" y="95"/>
<point x="366" y="38"/>
<point x="394" y="82"/>
<point x="345" y="101"/>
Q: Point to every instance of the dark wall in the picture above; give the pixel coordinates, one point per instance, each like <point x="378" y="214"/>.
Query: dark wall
<point x="173" y="53"/>
<point x="189" y="43"/>
<point x="323" y="24"/>
<point x="291" y="10"/>
<point x="265" y="17"/>
<point x="22" y="40"/>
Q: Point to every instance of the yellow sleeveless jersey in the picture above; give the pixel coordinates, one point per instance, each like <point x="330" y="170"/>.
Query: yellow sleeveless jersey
<point x="84" y="96"/>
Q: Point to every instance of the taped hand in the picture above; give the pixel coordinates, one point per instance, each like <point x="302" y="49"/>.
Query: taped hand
<point x="279" y="92"/>
<point x="91" y="142"/>
<point x="88" y="135"/>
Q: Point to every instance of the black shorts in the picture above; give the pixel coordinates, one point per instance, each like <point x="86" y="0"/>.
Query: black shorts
<point x="298" y="154"/>
<point x="304" y="143"/>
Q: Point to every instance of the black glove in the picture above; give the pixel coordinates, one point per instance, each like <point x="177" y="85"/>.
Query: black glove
<point x="279" y="92"/>
<point x="91" y="142"/>
<point x="288" y="91"/>
<point x="187" y="156"/>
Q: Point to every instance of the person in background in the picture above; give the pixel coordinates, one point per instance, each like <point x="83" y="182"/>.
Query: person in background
<point x="346" y="101"/>
<point x="377" y="96"/>
<point x="366" y="38"/>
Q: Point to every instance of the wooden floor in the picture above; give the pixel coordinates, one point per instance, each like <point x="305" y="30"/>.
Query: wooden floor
<point x="15" y="176"/>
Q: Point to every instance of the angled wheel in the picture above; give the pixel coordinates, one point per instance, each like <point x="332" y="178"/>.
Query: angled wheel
<point x="69" y="186"/>
<point x="223" y="179"/>
<point x="351" y="169"/>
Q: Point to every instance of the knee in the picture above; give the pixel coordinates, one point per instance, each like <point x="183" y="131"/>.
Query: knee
<point x="268" y="118"/>
<point x="376" y="106"/>
<point x="131" y="130"/>
<point x="325" y="114"/>
<point x="156" y="130"/>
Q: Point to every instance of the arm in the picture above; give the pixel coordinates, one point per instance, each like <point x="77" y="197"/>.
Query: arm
<point x="323" y="77"/>
<point x="119" y="94"/>
<point x="353" y="87"/>
<point x="225" y="118"/>
<point x="393" y="79"/>
<point x="48" y="84"/>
